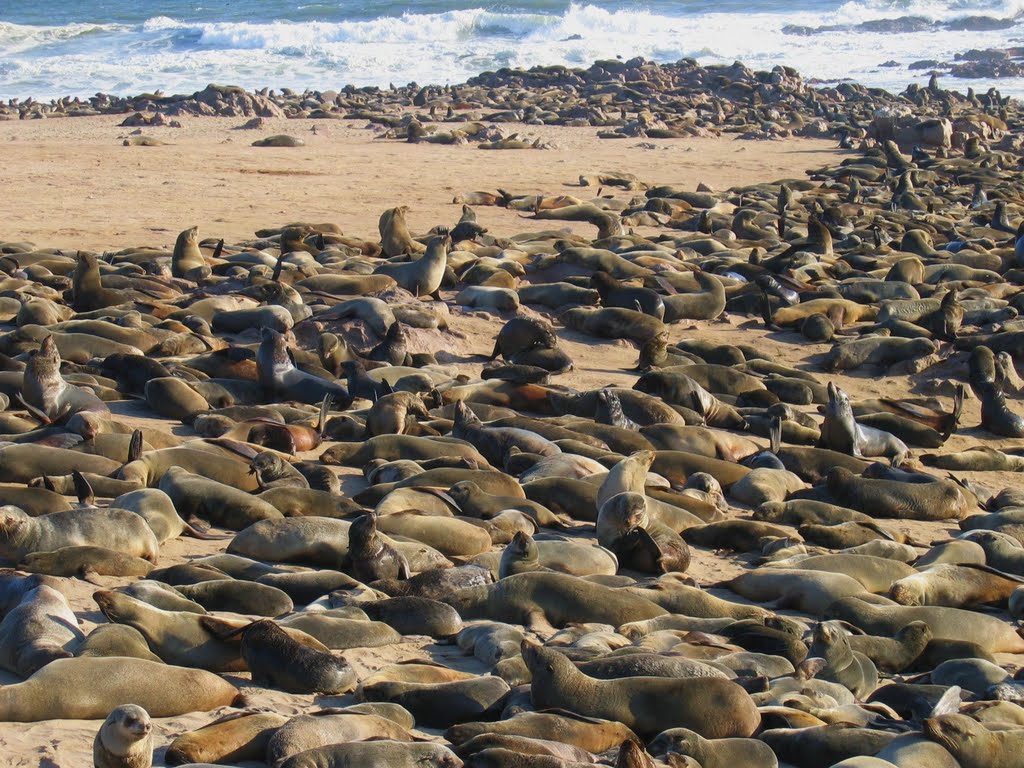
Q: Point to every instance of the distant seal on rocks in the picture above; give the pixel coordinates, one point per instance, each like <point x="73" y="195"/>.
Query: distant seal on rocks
<point x="125" y="740"/>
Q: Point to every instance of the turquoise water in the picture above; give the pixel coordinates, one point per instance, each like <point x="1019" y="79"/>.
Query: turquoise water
<point x="50" y="48"/>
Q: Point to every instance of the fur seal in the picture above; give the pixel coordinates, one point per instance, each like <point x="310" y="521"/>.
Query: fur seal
<point x="376" y="754"/>
<point x="334" y="726"/>
<point x="46" y="391"/>
<point x="936" y="500"/>
<point x="423" y="276"/>
<point x="370" y="557"/>
<point x="613" y="323"/>
<point x="545" y="600"/>
<point x="38" y="630"/>
<point x="625" y="527"/>
<point x="125" y="740"/>
<point x="712" y="707"/>
<point x="231" y="739"/>
<point x="840" y="432"/>
<point x="279" y="375"/>
<point x="277" y="660"/>
<point x="972" y="744"/>
<point x="89" y="688"/>
<point x="115" y="529"/>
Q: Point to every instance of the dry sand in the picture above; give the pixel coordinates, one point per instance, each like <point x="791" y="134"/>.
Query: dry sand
<point x="71" y="184"/>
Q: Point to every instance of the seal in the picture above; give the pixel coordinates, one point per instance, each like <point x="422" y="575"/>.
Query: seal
<point x="89" y="688"/>
<point x="125" y="740"/>
<point x="548" y="600"/>
<point x="370" y="557"/>
<point x="362" y="722"/>
<point x="991" y="633"/>
<point x="712" y="707"/>
<point x="716" y="753"/>
<point x="590" y="734"/>
<point x="86" y="563"/>
<point x="187" y="260"/>
<point x="116" y="640"/>
<point x="840" y="432"/>
<point x="231" y="739"/>
<point x="613" y="323"/>
<point x="38" y="630"/>
<point x="278" y="374"/>
<point x="278" y="661"/>
<point x="422" y="277"/>
<point x="115" y="529"/>
<point x="936" y="500"/>
<point x="395" y="239"/>
<point x="394" y="754"/>
<point x="46" y="392"/>
<point x="972" y="744"/>
<point x="441" y="705"/>
<point x="841" y="664"/>
<point x="955" y="586"/>
<point x="625" y="528"/>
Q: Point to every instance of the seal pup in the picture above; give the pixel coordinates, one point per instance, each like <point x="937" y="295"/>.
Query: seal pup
<point x="125" y="740"/>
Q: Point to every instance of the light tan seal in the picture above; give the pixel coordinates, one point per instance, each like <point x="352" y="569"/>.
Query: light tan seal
<point x="89" y="688"/>
<point x="713" y="707"/>
<point x="125" y="740"/>
<point x="973" y="745"/>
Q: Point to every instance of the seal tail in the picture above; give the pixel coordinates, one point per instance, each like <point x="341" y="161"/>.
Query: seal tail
<point x="83" y="489"/>
<point x="134" y="447"/>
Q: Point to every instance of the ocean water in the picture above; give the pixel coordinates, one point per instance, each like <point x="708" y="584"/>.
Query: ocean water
<point x="52" y="48"/>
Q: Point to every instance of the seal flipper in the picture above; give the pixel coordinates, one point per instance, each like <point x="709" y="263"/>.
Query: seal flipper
<point x="83" y="489"/>
<point x="219" y="249"/>
<point x="958" y="409"/>
<point x="42" y="417"/>
<point x="325" y="408"/>
<point x="134" y="447"/>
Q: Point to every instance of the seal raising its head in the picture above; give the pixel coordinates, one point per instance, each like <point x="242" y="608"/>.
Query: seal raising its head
<point x="124" y="740"/>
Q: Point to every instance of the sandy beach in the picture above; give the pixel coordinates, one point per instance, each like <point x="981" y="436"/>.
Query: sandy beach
<point x="78" y="187"/>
